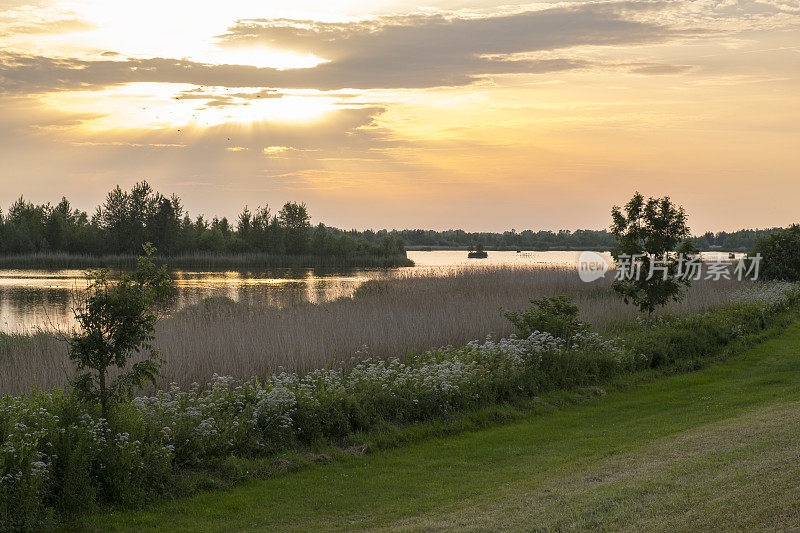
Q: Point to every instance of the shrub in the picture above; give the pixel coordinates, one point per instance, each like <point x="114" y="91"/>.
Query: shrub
<point x="556" y="315"/>
<point x="59" y="459"/>
<point x="690" y="339"/>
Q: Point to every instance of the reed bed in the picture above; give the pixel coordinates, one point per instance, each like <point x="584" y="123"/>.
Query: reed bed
<point x="407" y="312"/>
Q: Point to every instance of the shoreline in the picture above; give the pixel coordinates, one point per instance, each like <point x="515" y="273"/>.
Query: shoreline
<point x="200" y="260"/>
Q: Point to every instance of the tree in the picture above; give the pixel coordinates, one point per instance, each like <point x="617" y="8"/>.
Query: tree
<point x="296" y="223"/>
<point x="648" y="234"/>
<point x="142" y="204"/>
<point x="113" y="217"/>
<point x="780" y="254"/>
<point x="320" y="242"/>
<point x="392" y="246"/>
<point x="117" y="322"/>
<point x="163" y="225"/>
<point x="244" y="225"/>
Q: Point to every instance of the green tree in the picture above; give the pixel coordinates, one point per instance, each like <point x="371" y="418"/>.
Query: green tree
<point x="113" y="217"/>
<point x="163" y="224"/>
<point x="59" y="226"/>
<point x="296" y="223"/>
<point x="244" y="225"/>
<point x="780" y="254"/>
<point x="653" y="234"/>
<point x="142" y="206"/>
<point x="117" y="322"/>
<point x="392" y="246"/>
<point x="321" y="240"/>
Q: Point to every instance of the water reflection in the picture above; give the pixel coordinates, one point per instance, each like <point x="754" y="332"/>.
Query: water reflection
<point x="31" y="299"/>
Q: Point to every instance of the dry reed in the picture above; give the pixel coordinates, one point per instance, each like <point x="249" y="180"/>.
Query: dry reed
<point x="408" y="312"/>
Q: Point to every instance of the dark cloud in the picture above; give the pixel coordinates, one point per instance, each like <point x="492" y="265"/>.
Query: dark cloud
<point x="26" y="74"/>
<point x="416" y="51"/>
<point x="20" y="73"/>
<point x="423" y="36"/>
<point x="437" y="50"/>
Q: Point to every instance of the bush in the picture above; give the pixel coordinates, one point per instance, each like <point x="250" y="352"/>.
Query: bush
<point x="60" y="459"/>
<point x="556" y="315"/>
<point x="691" y="339"/>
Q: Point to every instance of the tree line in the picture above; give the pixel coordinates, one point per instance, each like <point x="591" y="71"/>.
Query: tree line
<point x="742" y="240"/>
<point x="128" y="219"/>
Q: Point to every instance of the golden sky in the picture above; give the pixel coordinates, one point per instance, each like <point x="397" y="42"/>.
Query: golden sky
<point x="480" y="115"/>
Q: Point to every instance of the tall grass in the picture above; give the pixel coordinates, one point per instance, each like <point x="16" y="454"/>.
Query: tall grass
<point x="385" y="318"/>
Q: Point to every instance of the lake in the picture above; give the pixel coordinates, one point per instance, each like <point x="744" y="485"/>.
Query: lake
<point x="31" y="299"/>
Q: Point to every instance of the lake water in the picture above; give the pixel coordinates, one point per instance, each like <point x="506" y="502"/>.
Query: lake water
<point x="31" y="299"/>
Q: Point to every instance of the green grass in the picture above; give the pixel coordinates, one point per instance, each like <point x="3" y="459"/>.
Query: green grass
<point x="714" y="448"/>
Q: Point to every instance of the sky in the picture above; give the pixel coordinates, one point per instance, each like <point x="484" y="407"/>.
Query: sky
<point x="478" y="115"/>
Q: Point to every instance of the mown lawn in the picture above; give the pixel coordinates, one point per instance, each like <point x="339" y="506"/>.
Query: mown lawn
<point x="718" y="448"/>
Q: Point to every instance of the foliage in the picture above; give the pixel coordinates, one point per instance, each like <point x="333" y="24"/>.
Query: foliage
<point x="116" y="322"/>
<point x="295" y="221"/>
<point x="691" y="339"/>
<point x="128" y="219"/>
<point x="650" y="231"/>
<point x="780" y="254"/>
<point x="556" y="315"/>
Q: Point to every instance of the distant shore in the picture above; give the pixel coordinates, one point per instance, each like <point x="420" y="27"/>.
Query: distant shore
<point x="204" y="260"/>
<point x="509" y="249"/>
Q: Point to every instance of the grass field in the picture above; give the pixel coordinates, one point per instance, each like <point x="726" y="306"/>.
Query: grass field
<point x="717" y="448"/>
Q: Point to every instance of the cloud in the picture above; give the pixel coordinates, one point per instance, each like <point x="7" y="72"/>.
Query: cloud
<point x="391" y="52"/>
<point x="415" y="51"/>
<point x="31" y="20"/>
<point x="656" y="69"/>
<point x="216" y="99"/>
<point x="68" y="25"/>
<point x="264" y="162"/>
